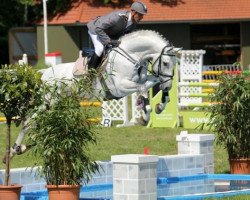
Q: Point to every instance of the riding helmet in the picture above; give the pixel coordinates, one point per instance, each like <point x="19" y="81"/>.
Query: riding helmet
<point x="139" y="7"/>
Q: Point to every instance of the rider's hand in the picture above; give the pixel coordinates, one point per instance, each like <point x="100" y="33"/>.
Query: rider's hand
<point x="114" y="43"/>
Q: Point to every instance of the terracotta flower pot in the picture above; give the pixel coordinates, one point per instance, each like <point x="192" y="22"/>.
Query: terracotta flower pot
<point x="115" y="1"/>
<point x="10" y="192"/>
<point x="240" y="166"/>
<point x="65" y="192"/>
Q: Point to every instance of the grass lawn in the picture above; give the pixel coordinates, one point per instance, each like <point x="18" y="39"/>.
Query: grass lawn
<point x="127" y="140"/>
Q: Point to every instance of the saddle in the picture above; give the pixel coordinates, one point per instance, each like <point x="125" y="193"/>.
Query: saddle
<point x="81" y="67"/>
<point x="81" y="64"/>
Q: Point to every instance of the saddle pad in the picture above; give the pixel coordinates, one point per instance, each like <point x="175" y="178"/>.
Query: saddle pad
<point x="80" y="66"/>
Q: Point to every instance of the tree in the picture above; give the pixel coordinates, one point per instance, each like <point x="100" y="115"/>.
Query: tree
<point x="19" y="92"/>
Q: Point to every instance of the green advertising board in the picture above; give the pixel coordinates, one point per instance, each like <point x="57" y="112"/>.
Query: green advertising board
<point x="194" y="119"/>
<point x="169" y="116"/>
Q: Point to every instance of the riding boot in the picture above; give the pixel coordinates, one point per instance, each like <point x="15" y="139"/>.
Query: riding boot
<point x="94" y="61"/>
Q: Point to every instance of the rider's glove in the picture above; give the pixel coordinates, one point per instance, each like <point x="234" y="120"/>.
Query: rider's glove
<point x="114" y="43"/>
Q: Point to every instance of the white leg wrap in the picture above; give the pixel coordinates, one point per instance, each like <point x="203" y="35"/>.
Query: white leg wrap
<point x="146" y="115"/>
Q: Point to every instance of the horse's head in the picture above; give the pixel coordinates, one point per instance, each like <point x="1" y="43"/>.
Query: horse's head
<point x="163" y="67"/>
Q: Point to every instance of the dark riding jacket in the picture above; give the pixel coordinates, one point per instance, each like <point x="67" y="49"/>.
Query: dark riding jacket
<point x="111" y="26"/>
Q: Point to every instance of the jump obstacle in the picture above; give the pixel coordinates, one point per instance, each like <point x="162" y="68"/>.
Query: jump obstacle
<point x="188" y="90"/>
<point x="193" y="84"/>
<point x="114" y="110"/>
<point x="83" y="104"/>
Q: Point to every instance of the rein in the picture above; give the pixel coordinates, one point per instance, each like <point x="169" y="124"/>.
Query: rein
<point x="126" y="55"/>
<point x="132" y="60"/>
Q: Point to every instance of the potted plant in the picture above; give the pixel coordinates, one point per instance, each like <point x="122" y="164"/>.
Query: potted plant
<point x="19" y="86"/>
<point x="230" y="119"/>
<point x="59" y="135"/>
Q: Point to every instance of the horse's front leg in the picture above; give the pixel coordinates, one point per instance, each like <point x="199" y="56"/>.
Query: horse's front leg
<point x="127" y="87"/>
<point x="143" y="99"/>
<point x="164" y="100"/>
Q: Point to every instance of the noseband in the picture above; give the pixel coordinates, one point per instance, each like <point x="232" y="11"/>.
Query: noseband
<point x="159" y="72"/>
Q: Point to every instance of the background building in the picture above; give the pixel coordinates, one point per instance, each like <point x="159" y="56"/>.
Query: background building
<point x="221" y="27"/>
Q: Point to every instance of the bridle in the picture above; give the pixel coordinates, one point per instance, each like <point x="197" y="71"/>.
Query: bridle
<point x="160" y="72"/>
<point x="137" y="64"/>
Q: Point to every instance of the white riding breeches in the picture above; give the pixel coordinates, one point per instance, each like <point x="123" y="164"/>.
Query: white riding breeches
<point x="99" y="48"/>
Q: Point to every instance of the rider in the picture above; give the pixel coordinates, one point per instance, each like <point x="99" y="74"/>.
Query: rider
<point x="106" y="30"/>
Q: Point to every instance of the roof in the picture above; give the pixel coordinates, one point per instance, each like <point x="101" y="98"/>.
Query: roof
<point x="160" y="11"/>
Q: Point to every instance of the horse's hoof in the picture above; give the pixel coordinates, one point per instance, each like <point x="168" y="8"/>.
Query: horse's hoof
<point x="18" y="149"/>
<point x="24" y="148"/>
<point x="158" y="109"/>
<point x="142" y="121"/>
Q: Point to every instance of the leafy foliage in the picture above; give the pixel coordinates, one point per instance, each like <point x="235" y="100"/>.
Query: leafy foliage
<point x="231" y="117"/>
<point x="60" y="133"/>
<point x="19" y="90"/>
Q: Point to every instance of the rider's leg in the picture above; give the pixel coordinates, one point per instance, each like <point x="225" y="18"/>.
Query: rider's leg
<point x="95" y="59"/>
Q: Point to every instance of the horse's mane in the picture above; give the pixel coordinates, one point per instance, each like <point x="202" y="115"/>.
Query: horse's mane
<point x="149" y="33"/>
